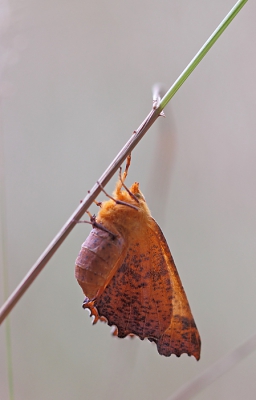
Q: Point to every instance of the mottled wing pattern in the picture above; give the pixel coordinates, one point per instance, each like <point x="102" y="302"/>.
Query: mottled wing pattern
<point x="134" y="300"/>
<point x="145" y="297"/>
<point x="181" y="335"/>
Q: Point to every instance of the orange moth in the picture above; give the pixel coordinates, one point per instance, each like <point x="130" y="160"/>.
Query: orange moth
<point x="129" y="278"/>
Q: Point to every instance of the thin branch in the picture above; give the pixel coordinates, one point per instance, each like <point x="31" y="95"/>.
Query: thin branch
<point x="110" y="171"/>
<point x="81" y="209"/>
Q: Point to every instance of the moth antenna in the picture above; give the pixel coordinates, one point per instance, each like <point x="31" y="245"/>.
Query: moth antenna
<point x="115" y="200"/>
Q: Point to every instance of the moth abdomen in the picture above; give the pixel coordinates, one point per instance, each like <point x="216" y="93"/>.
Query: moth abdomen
<point x="96" y="259"/>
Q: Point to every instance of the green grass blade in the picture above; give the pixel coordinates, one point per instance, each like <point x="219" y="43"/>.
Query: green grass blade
<point x="201" y="53"/>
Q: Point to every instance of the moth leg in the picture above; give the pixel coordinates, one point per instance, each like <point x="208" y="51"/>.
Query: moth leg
<point x="95" y="224"/>
<point x="98" y="203"/>
<point x="126" y="188"/>
<point x="90" y="305"/>
<point x="91" y="222"/>
<point x="93" y="310"/>
<point x="128" y="163"/>
<point x="121" y="180"/>
<point x="115" y="200"/>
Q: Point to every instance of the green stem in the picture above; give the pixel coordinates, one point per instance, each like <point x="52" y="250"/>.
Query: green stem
<point x="202" y="52"/>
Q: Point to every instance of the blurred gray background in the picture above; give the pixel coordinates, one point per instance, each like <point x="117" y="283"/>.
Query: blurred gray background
<point x="76" y="80"/>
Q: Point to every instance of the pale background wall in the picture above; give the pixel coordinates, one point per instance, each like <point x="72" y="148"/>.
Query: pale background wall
<point x="76" y="81"/>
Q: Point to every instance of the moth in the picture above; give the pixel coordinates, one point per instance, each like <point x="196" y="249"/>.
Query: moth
<point x="129" y="278"/>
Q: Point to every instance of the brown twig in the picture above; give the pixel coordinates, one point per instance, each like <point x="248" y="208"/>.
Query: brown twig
<point x="82" y="208"/>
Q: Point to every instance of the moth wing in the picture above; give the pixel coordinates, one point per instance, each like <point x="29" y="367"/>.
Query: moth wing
<point x="132" y="299"/>
<point x="146" y="298"/>
<point x="181" y="335"/>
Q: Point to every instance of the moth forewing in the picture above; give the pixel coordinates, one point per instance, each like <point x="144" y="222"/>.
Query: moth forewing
<point x="129" y="277"/>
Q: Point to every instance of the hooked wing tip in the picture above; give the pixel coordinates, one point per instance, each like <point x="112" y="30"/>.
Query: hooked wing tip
<point x="190" y="345"/>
